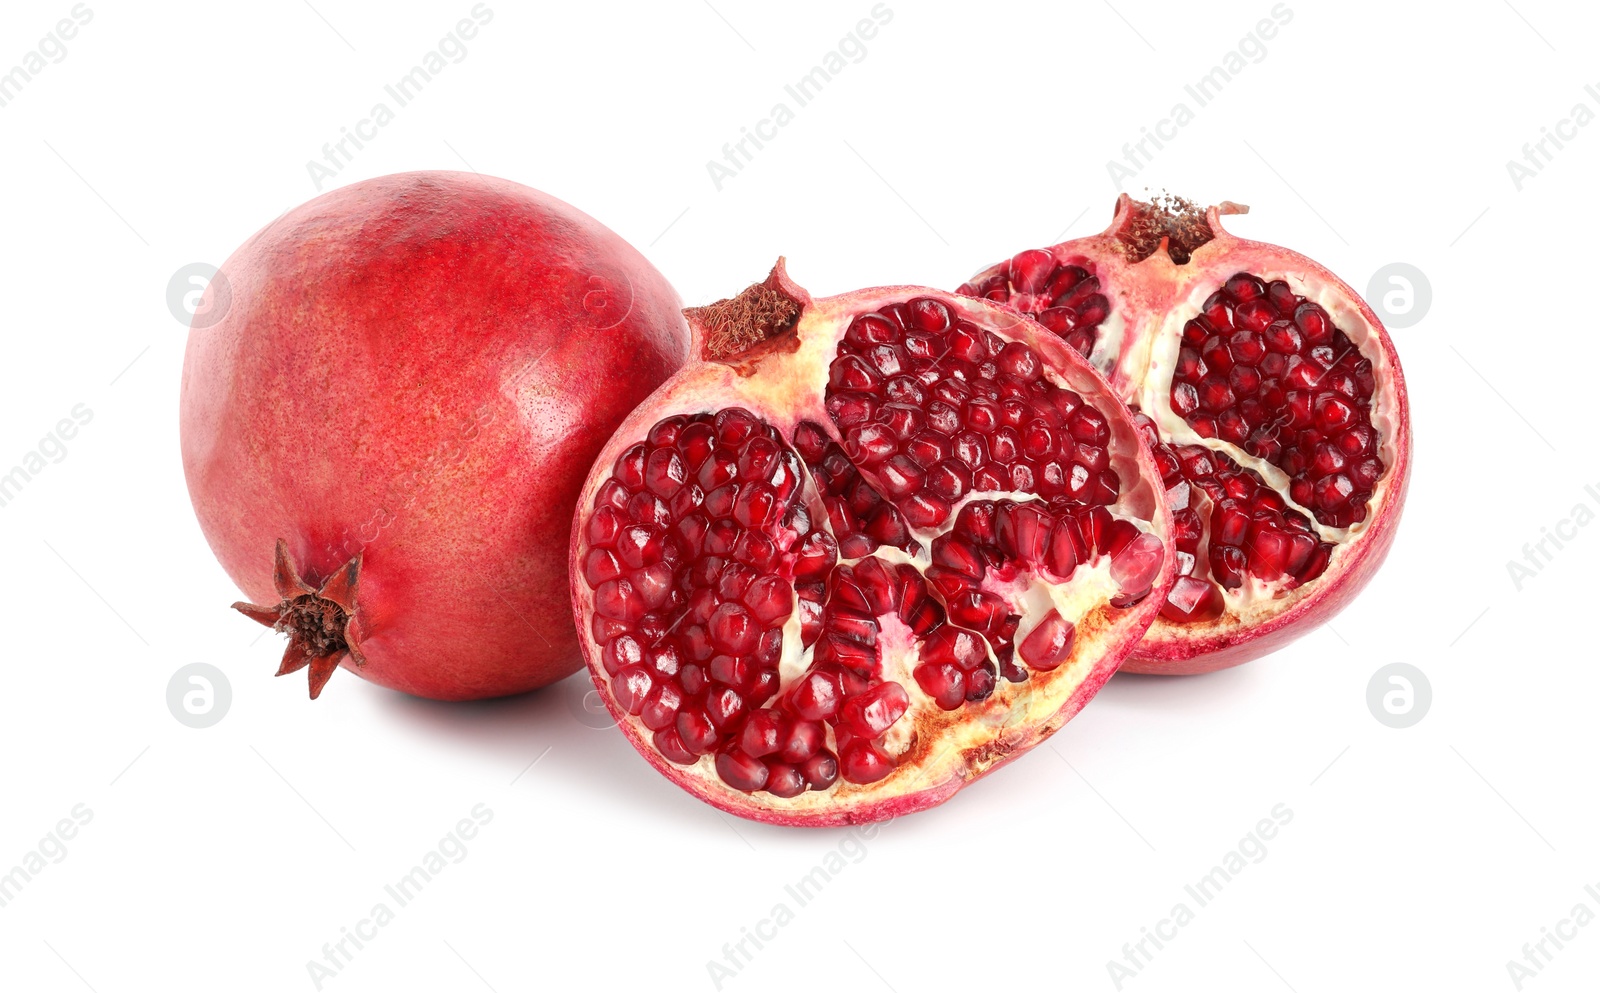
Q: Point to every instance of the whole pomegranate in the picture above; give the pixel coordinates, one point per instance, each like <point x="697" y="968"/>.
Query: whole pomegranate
<point x="862" y="550"/>
<point x="1273" y="399"/>
<point x="385" y="435"/>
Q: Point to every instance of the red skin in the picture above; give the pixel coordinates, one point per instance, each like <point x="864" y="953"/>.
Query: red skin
<point x="405" y="373"/>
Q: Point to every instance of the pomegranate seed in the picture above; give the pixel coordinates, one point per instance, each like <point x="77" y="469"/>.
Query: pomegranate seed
<point x="600" y="565"/>
<point x="875" y="711"/>
<point x="735" y="424"/>
<point x="815" y="697"/>
<point x="672" y="748"/>
<point x="631" y="689"/>
<point x="695" y="730"/>
<point x="1254" y="315"/>
<point x="784" y="780"/>
<point x="1228" y="565"/>
<point x="951" y="645"/>
<point x="980" y="682"/>
<point x="1192" y="600"/>
<point x="1135" y="567"/>
<point x="1066" y="548"/>
<point x="862" y="763"/>
<point x="616" y="599"/>
<point x="724" y="709"/>
<point x="1185" y="399"/>
<point x="1049" y="643"/>
<point x="1017" y="359"/>
<point x="1030" y="271"/>
<point x="740" y="770"/>
<point x="660" y="711"/>
<point x="944" y="682"/>
<point x="1089" y="425"/>
<point x="763" y="733"/>
<point x="820" y="770"/>
<point x="979" y="611"/>
<point x="733" y="671"/>
<point x="802" y="740"/>
<point x="732" y="629"/>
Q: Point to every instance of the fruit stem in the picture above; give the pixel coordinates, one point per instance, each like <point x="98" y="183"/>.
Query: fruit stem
<point x="1171" y="223"/>
<point x="764" y="313"/>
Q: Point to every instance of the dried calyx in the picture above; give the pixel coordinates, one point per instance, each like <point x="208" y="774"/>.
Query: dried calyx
<point x="318" y="620"/>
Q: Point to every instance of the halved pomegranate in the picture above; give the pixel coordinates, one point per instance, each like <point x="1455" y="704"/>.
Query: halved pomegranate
<point x="1274" y="402"/>
<point x="865" y="550"/>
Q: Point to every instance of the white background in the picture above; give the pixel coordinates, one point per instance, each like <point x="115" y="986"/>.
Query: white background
<point x="1370" y="133"/>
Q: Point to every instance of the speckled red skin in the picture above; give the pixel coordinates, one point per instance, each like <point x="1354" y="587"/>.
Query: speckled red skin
<point x="712" y="384"/>
<point x="419" y="369"/>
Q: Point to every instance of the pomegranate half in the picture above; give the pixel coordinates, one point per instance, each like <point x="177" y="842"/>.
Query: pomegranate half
<point x="862" y="550"/>
<point x="1273" y="399"/>
<point x="385" y="435"/>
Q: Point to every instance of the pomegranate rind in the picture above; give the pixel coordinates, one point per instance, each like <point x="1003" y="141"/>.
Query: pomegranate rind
<point x="416" y="369"/>
<point x="783" y="383"/>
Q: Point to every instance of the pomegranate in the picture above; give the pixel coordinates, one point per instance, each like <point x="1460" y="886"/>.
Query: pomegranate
<point x="862" y="550"/>
<point x="1273" y="399"/>
<point x="385" y="435"/>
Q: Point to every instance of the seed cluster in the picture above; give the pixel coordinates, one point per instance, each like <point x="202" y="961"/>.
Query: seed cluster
<point x="700" y="549"/>
<point x="1267" y="370"/>
<point x="1064" y="298"/>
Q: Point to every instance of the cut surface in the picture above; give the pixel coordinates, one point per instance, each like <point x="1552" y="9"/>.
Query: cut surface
<point x="928" y="552"/>
<point x="1271" y="398"/>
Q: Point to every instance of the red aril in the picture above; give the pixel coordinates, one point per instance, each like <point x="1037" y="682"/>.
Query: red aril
<point x="385" y="435"/>
<point x="858" y="505"/>
<point x="1274" y="402"/>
